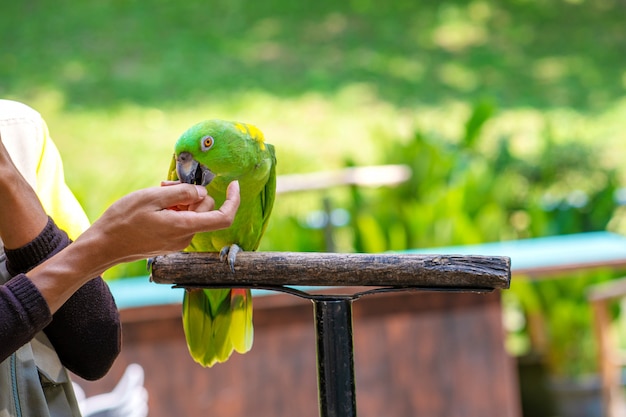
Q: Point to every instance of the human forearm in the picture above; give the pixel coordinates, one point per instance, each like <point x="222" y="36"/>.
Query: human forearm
<point x="59" y="277"/>
<point x="18" y="201"/>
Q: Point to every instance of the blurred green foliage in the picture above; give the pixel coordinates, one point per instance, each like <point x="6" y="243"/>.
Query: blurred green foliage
<point x="463" y="193"/>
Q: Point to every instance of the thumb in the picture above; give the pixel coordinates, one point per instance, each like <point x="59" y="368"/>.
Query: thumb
<point x="231" y="204"/>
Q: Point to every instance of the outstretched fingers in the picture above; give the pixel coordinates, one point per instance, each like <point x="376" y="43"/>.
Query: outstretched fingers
<point x="177" y="195"/>
<point x="200" y="216"/>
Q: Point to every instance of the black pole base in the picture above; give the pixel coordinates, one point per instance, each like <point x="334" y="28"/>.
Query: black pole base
<point x="335" y="357"/>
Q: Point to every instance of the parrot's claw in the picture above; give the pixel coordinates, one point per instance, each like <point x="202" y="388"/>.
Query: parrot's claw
<point x="229" y="254"/>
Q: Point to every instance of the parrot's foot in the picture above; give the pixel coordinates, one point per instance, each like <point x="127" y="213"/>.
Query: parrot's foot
<point x="229" y="253"/>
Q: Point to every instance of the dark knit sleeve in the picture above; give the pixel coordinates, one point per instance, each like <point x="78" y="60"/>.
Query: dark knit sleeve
<point x="24" y="313"/>
<point x="86" y="330"/>
<point x="50" y="241"/>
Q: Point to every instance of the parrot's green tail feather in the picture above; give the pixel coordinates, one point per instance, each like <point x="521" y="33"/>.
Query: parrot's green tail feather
<point x="216" y="322"/>
<point x="197" y="325"/>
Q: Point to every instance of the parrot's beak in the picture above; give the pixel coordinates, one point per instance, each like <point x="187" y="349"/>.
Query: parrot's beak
<point x="192" y="172"/>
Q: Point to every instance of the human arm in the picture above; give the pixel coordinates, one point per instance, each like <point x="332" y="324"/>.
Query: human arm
<point x="22" y="216"/>
<point x="87" y="343"/>
<point x="85" y="331"/>
<point x="136" y="227"/>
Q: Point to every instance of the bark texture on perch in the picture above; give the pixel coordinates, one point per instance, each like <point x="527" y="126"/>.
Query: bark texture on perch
<point x="266" y="269"/>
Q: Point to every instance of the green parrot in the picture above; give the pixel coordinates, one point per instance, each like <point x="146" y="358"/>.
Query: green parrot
<point x="214" y="153"/>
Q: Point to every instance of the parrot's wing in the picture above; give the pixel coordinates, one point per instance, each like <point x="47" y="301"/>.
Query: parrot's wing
<point x="268" y="194"/>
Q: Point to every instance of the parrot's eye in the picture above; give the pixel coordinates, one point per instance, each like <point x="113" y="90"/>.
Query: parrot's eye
<point x="207" y="143"/>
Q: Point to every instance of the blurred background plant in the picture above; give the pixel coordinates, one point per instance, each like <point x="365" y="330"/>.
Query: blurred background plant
<point x="463" y="193"/>
<point x="510" y="115"/>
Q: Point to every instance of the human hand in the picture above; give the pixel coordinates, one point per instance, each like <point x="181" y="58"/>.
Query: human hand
<point x="156" y="221"/>
<point x="138" y="226"/>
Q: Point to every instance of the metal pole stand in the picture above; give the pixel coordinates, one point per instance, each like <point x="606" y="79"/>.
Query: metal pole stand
<point x="335" y="357"/>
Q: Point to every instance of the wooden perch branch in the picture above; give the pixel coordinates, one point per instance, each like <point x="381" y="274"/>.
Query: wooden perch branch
<point x="264" y="269"/>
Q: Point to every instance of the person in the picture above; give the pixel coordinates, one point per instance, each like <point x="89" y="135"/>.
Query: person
<point x="56" y="312"/>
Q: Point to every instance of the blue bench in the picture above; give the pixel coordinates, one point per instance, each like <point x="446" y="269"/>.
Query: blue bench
<point x="548" y="255"/>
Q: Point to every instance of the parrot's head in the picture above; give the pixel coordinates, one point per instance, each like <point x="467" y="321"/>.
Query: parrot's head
<point x="217" y="148"/>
